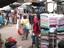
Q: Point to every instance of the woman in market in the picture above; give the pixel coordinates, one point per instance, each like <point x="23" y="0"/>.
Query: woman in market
<point x="31" y="17"/>
<point x="14" y="17"/>
<point x="7" y="17"/>
<point x="1" y="19"/>
<point x="36" y="32"/>
<point x="26" y="29"/>
<point x="10" y="18"/>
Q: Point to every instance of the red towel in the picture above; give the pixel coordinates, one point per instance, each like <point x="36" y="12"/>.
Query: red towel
<point x="11" y="39"/>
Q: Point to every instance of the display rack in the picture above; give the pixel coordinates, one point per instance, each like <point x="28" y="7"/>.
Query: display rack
<point x="51" y="40"/>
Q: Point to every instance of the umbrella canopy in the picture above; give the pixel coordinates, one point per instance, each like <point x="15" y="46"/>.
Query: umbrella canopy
<point x="6" y="8"/>
<point x="15" y="5"/>
<point x="24" y="5"/>
<point x="1" y="9"/>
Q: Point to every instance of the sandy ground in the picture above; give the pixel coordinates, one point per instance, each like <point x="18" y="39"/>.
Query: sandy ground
<point x="11" y="31"/>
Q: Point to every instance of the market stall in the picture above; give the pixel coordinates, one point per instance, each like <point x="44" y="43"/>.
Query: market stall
<point x="51" y="25"/>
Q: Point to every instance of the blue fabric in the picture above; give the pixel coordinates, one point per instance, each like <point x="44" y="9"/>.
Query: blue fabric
<point x="1" y="19"/>
<point x="26" y="30"/>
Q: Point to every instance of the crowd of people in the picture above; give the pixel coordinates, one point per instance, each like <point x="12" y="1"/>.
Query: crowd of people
<point x="8" y="17"/>
<point x="25" y="23"/>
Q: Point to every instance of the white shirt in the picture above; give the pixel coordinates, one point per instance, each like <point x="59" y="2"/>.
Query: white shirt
<point x="52" y="29"/>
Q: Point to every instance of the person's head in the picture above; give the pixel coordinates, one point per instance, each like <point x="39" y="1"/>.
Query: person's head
<point x="20" y="14"/>
<point x="25" y="17"/>
<point x="61" y="44"/>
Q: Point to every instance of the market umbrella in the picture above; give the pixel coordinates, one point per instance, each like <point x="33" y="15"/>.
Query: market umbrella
<point x="13" y="6"/>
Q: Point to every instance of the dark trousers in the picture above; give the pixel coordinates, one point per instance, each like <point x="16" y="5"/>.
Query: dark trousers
<point x="26" y="35"/>
<point x="36" y="41"/>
